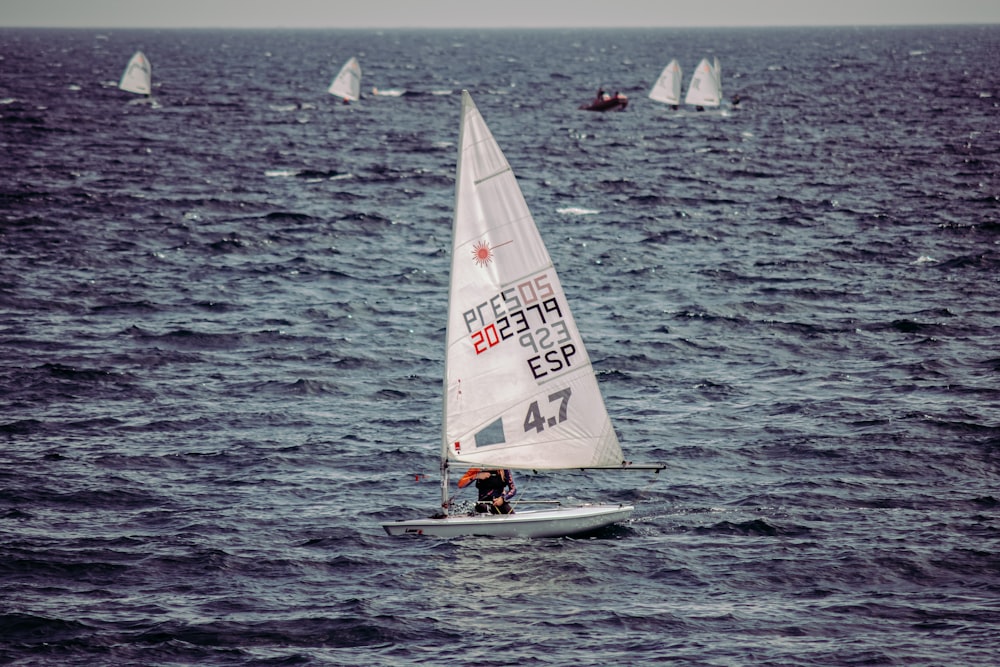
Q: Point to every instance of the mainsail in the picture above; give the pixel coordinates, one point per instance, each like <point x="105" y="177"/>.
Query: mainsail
<point x="347" y="84"/>
<point x="667" y="88"/>
<point x="704" y="90"/>
<point x="138" y="75"/>
<point x="520" y="391"/>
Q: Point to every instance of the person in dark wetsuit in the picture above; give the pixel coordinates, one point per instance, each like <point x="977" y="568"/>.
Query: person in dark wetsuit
<point x="491" y="484"/>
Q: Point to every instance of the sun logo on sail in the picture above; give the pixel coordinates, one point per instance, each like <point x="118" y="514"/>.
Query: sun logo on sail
<point x="482" y="253"/>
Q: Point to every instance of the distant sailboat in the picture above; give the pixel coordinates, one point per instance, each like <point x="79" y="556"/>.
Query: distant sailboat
<point x="347" y="84"/>
<point x="138" y="75"/>
<point x="705" y="89"/>
<point x="667" y="88"/>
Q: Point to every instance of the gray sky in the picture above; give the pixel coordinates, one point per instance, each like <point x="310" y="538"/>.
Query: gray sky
<point x="487" y="14"/>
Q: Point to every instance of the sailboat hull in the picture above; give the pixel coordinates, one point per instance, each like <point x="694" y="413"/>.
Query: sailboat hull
<point x="559" y="522"/>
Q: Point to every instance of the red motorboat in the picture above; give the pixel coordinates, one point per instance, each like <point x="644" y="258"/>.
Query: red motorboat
<point x="605" y="102"/>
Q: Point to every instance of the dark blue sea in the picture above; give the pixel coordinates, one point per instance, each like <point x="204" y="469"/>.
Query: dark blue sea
<point x="222" y="327"/>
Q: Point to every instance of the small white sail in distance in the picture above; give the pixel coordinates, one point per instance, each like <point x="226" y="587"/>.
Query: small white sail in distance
<point x="520" y="388"/>
<point x="138" y="75"/>
<point x="704" y="88"/>
<point x="667" y="88"/>
<point x="347" y="84"/>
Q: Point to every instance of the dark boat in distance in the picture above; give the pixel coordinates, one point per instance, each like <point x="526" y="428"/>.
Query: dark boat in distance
<point x="605" y="102"/>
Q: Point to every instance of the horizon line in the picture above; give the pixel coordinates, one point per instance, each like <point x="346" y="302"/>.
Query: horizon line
<point x="929" y="24"/>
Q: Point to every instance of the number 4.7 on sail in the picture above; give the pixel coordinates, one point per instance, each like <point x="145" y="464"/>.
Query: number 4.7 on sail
<point x="534" y="418"/>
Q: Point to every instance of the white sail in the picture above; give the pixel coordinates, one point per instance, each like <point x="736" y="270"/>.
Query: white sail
<point x="138" y="75"/>
<point x="704" y="89"/>
<point x="667" y="88"/>
<point x="347" y="84"/>
<point x="520" y="388"/>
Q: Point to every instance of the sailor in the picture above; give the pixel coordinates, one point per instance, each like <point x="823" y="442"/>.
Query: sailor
<point x="491" y="485"/>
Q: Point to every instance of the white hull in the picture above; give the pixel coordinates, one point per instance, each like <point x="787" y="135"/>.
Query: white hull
<point x="528" y="523"/>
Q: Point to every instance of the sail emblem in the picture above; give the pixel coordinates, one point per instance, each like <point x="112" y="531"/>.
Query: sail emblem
<point x="482" y="252"/>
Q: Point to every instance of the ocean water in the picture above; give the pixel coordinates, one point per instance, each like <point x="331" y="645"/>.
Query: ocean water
<point x="222" y="321"/>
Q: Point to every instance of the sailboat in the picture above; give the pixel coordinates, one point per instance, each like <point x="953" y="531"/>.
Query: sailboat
<point x="138" y="75"/>
<point x="520" y="390"/>
<point x="705" y="89"/>
<point x="347" y="84"/>
<point x="667" y="88"/>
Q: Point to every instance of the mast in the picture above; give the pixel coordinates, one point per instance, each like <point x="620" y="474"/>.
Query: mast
<point x="466" y="102"/>
<point x="445" y="502"/>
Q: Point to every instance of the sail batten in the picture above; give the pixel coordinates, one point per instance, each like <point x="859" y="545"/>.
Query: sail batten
<point x="491" y="176"/>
